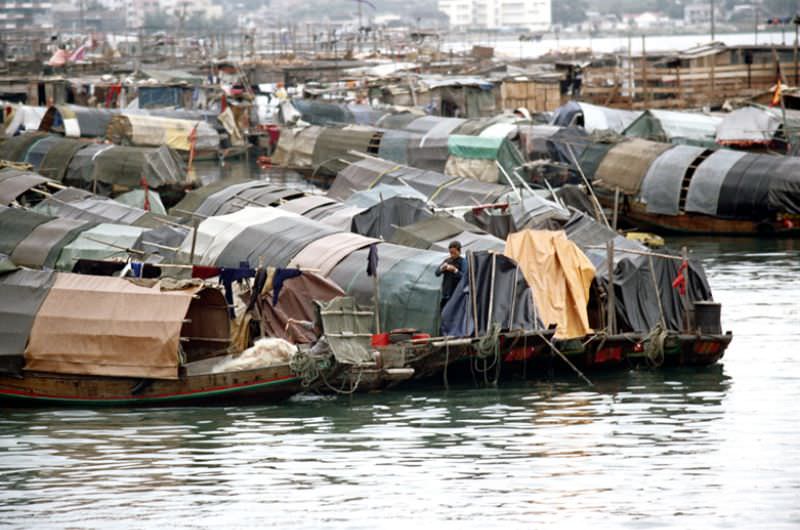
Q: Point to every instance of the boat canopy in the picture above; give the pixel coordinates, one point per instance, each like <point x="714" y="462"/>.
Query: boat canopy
<point x="625" y="164"/>
<point x="478" y="158"/>
<point x="155" y="131"/>
<point x="437" y="232"/>
<point x="116" y="167"/>
<point x="593" y="117"/>
<point x="296" y="146"/>
<point x="682" y="128"/>
<point x="108" y="326"/>
<point x="661" y="187"/>
<point x="560" y="275"/>
<point x="14" y="183"/>
<point x="22" y="292"/>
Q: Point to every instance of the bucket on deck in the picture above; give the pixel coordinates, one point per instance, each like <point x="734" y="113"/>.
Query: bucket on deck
<point x="707" y="317"/>
<point x="380" y="339"/>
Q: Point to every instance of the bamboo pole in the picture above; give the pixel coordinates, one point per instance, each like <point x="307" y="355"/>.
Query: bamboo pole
<point x="611" y="295"/>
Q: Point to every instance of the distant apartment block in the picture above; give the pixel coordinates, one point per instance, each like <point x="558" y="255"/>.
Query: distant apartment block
<point x="15" y="14"/>
<point x="495" y="14"/>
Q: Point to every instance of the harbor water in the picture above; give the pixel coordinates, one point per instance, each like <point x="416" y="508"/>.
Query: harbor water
<point x="715" y="447"/>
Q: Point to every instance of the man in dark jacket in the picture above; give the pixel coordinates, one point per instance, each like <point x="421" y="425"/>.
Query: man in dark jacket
<point x="452" y="268"/>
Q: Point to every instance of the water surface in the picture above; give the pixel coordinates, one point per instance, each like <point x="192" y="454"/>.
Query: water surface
<point x="715" y="447"/>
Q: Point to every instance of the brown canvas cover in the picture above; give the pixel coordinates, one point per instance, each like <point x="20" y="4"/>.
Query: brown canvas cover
<point x="626" y="164"/>
<point x="560" y="275"/>
<point x="325" y="253"/>
<point x="107" y="326"/>
<point x="292" y="318"/>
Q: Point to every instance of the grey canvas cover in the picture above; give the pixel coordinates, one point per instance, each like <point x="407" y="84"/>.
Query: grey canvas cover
<point x="637" y="306"/>
<point x="409" y="289"/>
<point x="15" y="148"/>
<point x="15" y="225"/>
<point x="784" y="187"/>
<point x="37" y="152"/>
<point x="703" y="195"/>
<point x="380" y="220"/>
<point x="502" y="298"/>
<point x="661" y="188"/>
<point x="55" y="162"/>
<point x="264" y="195"/>
<point x="21" y="294"/>
<point x="334" y="144"/>
<point x="394" y="145"/>
<point x="14" y="183"/>
<point x="126" y="166"/>
<point x="745" y="191"/>
<point x="304" y="205"/>
<point x="34" y="249"/>
<point x="278" y="241"/>
<point x="212" y="204"/>
<point x="195" y="198"/>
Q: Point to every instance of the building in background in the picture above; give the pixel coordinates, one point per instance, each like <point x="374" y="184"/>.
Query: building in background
<point x="531" y="15"/>
<point x="23" y="14"/>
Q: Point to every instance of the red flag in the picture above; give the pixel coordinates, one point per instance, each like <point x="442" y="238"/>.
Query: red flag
<point x="143" y="182"/>
<point x="680" y="280"/>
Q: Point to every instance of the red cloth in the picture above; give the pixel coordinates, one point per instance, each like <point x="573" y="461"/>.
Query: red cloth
<point x="203" y="272"/>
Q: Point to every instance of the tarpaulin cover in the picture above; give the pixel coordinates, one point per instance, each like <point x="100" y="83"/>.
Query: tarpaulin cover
<point x="155" y="131"/>
<point x="105" y="326"/>
<point x="296" y="146"/>
<point x="506" y="302"/>
<point x="552" y="143"/>
<point x="661" y="187"/>
<point x="626" y="164"/>
<point x="125" y="166"/>
<point x="437" y="232"/>
<point x="24" y="118"/>
<point x="560" y="274"/>
<point x="37" y="152"/>
<point x="262" y="196"/>
<point x="431" y="152"/>
<point x="136" y="198"/>
<point x="169" y="236"/>
<point x="33" y="251"/>
<point x="91" y="208"/>
<point x="703" y="195"/>
<point x="215" y="233"/>
<point x="409" y="289"/>
<point x="14" y="183"/>
<point x="97" y="242"/>
<point x="784" y="187"/>
<point x="338" y="215"/>
<point x="594" y="117"/>
<point x="91" y="123"/>
<point x="475" y="157"/>
<point x="348" y="328"/>
<point x="440" y="189"/>
<point x="296" y="306"/>
<point x="592" y="157"/>
<point x="745" y="191"/>
<point x="398" y="121"/>
<point x="15" y="225"/>
<point x="195" y="198"/>
<point x="57" y="159"/>
<point x="317" y="113"/>
<point x="637" y="305"/>
<point x="277" y="241"/>
<point x="380" y="220"/>
<point x="534" y="211"/>
<point x="21" y="294"/>
<point x="334" y="144"/>
<point x="215" y="201"/>
<point x="15" y="148"/>
<point x="748" y="125"/>
<point x="326" y="252"/>
<point x="381" y="192"/>
<point x="303" y="205"/>
<point x="682" y="128"/>
<point x="394" y="145"/>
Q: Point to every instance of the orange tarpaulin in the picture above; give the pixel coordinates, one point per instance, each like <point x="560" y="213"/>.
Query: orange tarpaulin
<point x="99" y="325"/>
<point x="560" y="275"/>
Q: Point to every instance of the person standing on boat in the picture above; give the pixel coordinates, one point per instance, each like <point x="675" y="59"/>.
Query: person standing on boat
<point x="451" y="269"/>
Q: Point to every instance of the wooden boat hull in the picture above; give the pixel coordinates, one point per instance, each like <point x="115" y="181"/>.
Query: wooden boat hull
<point x="267" y="385"/>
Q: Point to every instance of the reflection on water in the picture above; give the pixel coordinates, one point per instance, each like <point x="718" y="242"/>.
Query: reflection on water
<point x="680" y="448"/>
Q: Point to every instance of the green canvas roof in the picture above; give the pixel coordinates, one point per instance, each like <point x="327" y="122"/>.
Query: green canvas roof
<point x="685" y="128"/>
